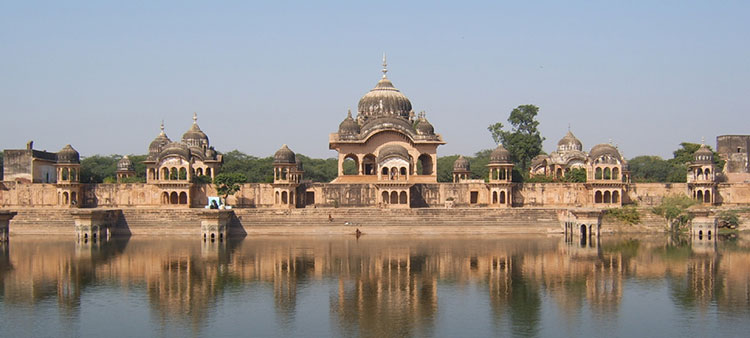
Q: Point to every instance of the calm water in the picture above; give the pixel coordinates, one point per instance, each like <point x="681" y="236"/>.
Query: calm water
<point x="444" y="286"/>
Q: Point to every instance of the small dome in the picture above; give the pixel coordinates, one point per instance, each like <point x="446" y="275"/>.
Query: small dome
<point x="392" y="151"/>
<point x="569" y="142"/>
<point x="500" y="155"/>
<point x="195" y="137"/>
<point x="125" y="164"/>
<point x="605" y="150"/>
<point x="461" y="164"/>
<point x="68" y="155"/>
<point x="703" y="155"/>
<point x="158" y="143"/>
<point x="175" y="149"/>
<point x="423" y="126"/>
<point x="284" y="156"/>
<point x="349" y="126"/>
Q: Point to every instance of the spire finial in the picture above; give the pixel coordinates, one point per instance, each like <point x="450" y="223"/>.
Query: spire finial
<point x="703" y="140"/>
<point x="195" y="118"/>
<point x="385" y="66"/>
<point x="162" y="127"/>
<point x="568" y="127"/>
<point x="349" y="113"/>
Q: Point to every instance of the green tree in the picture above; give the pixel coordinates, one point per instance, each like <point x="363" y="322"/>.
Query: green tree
<point x="229" y="183"/>
<point x="523" y="141"/>
<point x="255" y="169"/>
<point x="575" y="175"/>
<point x="650" y="169"/>
<point x="94" y="169"/>
<point x="674" y="210"/>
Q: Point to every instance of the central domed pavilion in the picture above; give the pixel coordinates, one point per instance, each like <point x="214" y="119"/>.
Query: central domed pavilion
<point x="385" y="140"/>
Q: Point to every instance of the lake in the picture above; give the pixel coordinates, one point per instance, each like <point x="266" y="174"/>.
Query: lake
<point x="389" y="286"/>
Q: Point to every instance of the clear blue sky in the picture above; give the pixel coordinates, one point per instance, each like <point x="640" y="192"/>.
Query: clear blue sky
<point x="101" y="75"/>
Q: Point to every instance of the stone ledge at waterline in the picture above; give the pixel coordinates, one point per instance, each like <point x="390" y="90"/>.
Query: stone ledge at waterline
<point x="144" y="221"/>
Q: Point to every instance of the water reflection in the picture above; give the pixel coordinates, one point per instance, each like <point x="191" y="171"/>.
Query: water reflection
<point x="382" y="286"/>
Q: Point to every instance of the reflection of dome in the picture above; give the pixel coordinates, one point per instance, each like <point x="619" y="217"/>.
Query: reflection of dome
<point x="569" y="142"/>
<point x="284" y="156"/>
<point x="461" y="164"/>
<point x="124" y="164"/>
<point x="349" y="126"/>
<point x="500" y="155"/>
<point x="392" y="151"/>
<point x="175" y="149"/>
<point x="68" y="155"/>
<point x="703" y="155"/>
<point x="604" y="149"/>
<point x="424" y="127"/>
<point x="384" y="99"/>
<point x="195" y="136"/>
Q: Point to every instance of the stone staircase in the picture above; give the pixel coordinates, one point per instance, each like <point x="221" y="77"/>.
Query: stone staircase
<point x="42" y="221"/>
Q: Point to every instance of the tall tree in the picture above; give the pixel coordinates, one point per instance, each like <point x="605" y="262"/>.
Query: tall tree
<point x="523" y="141"/>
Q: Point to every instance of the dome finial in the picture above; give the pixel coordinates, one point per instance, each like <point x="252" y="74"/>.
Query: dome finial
<point x="385" y="66"/>
<point x="703" y="140"/>
<point x="162" y="127"/>
<point x="349" y="113"/>
<point x="195" y="118"/>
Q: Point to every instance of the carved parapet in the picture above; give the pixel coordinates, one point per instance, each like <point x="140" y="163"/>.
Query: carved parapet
<point x="5" y="217"/>
<point x="94" y="223"/>
<point x="215" y="223"/>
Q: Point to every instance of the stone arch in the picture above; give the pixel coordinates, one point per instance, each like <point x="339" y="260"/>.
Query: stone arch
<point x="173" y="174"/>
<point x="164" y="197"/>
<point x="208" y="172"/>
<point x="164" y="173"/>
<point x="598" y="173"/>
<point x="707" y="174"/>
<point x="699" y="195"/>
<point x="402" y="171"/>
<point x="350" y="169"/>
<point x="183" y="198"/>
<point x="369" y="166"/>
<point x="402" y="198"/>
<point x="615" y="173"/>
<point x="151" y="174"/>
<point x="174" y="198"/>
<point x="199" y="172"/>
<point x="65" y="198"/>
<point x="598" y="197"/>
<point x="284" y="197"/>
<point x="182" y="173"/>
<point x="607" y="173"/>
<point x="559" y="173"/>
<point x="607" y="197"/>
<point x="494" y="197"/>
<point x="616" y="197"/>
<point x="394" y="197"/>
<point x="277" y="197"/>
<point x="707" y="197"/>
<point x="583" y="230"/>
<point x="385" y="197"/>
<point x="425" y="161"/>
<point x="502" y="197"/>
<point x="73" y="198"/>
<point x="384" y="172"/>
<point x="65" y="174"/>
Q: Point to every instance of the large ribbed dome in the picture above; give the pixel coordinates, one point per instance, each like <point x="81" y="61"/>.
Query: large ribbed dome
<point x="605" y="150"/>
<point x="68" y="155"/>
<point x="569" y="142"/>
<point x="175" y="149"/>
<point x="195" y="137"/>
<point x="160" y="141"/>
<point x="384" y="99"/>
<point x="500" y="155"/>
<point x="284" y="156"/>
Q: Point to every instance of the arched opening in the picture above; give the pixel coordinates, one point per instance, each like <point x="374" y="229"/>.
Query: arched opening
<point x="616" y="197"/>
<point x="394" y="173"/>
<point x="699" y="173"/>
<point x="559" y="173"/>
<point x="73" y="174"/>
<point x="164" y="173"/>
<point x="598" y="174"/>
<point x="73" y="198"/>
<point x="394" y="197"/>
<point x="173" y="174"/>
<point x="277" y="197"/>
<point x="165" y="198"/>
<point x="284" y="197"/>
<point x="607" y="173"/>
<point x="385" y="197"/>
<point x="707" y="174"/>
<point x="615" y="173"/>
<point x="699" y="196"/>
<point x="368" y="165"/>
<point x="598" y="197"/>
<point x="173" y="198"/>
<point x="707" y="197"/>
<point x="183" y="174"/>
<point x="284" y="173"/>
<point x="65" y="198"/>
<point x="384" y="172"/>
<point x="402" y="197"/>
<point x="208" y="172"/>
<point x="183" y="198"/>
<point x="350" y="165"/>
<point x="199" y="172"/>
<point x="502" y="197"/>
<point x="403" y="171"/>
<point x="583" y="230"/>
<point x="65" y="174"/>
<point x="425" y="162"/>
<point x="494" y="174"/>
<point x="494" y="197"/>
<point x="151" y="174"/>
<point x="607" y="197"/>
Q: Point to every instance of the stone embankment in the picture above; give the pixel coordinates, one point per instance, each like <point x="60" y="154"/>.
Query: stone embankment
<point x="324" y="221"/>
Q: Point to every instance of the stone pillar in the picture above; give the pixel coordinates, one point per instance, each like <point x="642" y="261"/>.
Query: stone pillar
<point x="5" y="217"/>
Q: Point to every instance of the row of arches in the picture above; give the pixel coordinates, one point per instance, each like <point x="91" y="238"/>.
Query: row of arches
<point x="607" y="197"/>
<point x="500" y="197"/>
<point x="703" y="195"/>
<point x="702" y="174"/>
<point x="284" y="197"/>
<point x="67" y="198"/>
<point x="607" y="173"/>
<point x="174" y="198"/>
<point x="501" y="174"/>
<point x="394" y="197"/>
<point x="394" y="173"/>
<point x="353" y="164"/>
<point x="175" y="173"/>
<point x="286" y="174"/>
<point x="65" y="174"/>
